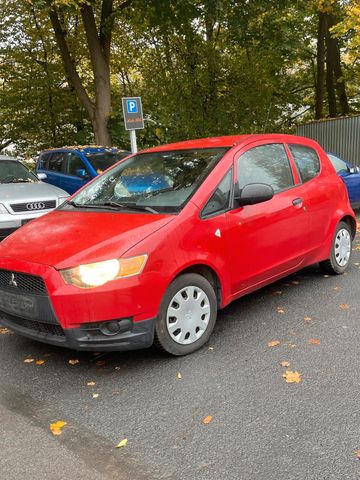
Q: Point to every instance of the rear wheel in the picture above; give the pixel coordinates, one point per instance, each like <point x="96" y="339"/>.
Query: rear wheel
<point x="340" y="251"/>
<point x="187" y="315"/>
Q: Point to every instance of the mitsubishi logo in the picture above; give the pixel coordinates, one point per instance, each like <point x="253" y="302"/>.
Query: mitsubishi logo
<point x="35" y="206"/>
<point x="12" y="281"/>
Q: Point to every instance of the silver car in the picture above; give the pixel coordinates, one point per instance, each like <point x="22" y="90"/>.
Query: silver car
<point x="23" y="196"/>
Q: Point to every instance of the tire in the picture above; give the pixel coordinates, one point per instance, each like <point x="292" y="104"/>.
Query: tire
<point x="181" y="327"/>
<point x="340" y="253"/>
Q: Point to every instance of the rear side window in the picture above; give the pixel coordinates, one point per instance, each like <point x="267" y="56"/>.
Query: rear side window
<point x="307" y="161"/>
<point x="265" y="164"/>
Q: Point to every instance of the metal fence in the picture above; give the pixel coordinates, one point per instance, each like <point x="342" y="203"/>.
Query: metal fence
<point x="340" y="136"/>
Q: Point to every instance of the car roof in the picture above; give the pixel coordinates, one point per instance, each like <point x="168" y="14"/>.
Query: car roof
<point x="227" y="141"/>
<point x="6" y="157"/>
<point x="84" y="149"/>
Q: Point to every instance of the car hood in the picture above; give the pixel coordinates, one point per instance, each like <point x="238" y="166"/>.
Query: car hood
<point x="29" y="192"/>
<point x="64" y="239"/>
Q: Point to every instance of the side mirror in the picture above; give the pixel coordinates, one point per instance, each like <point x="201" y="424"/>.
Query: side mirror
<point x="41" y="176"/>
<point x="82" y="173"/>
<point x="254" y="193"/>
<point x="353" y="170"/>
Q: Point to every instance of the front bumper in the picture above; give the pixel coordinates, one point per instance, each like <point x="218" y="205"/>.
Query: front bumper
<point x="36" y="303"/>
<point x="9" y="223"/>
<point x="134" y="335"/>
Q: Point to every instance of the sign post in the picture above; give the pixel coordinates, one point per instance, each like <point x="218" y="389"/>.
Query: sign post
<point x="133" y="118"/>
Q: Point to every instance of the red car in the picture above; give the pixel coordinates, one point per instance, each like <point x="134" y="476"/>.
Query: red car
<point x="150" y="250"/>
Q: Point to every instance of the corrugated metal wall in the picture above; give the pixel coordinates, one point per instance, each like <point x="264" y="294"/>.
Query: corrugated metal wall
<point x="340" y="136"/>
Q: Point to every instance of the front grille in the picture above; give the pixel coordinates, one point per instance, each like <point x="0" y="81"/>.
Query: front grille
<point x="33" y="207"/>
<point x="21" y="283"/>
<point x="38" y="327"/>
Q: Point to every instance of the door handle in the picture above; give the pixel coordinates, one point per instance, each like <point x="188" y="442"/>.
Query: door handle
<point x="297" y="202"/>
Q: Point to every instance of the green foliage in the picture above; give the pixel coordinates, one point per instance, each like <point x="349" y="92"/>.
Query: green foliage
<point x="202" y="67"/>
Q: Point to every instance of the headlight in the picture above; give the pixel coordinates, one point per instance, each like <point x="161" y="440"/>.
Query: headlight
<point x="97" y="274"/>
<point x="2" y="209"/>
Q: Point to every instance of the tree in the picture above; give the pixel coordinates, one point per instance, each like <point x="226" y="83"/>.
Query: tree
<point x="98" y="34"/>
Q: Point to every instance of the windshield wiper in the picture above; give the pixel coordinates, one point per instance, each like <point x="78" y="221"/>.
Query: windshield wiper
<point x="81" y="205"/>
<point x="130" y="206"/>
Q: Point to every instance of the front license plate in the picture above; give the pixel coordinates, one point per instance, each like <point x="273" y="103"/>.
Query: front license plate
<point x="17" y="304"/>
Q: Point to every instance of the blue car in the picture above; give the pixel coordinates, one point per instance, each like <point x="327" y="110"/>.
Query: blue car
<point x="351" y="177"/>
<point x="70" y="168"/>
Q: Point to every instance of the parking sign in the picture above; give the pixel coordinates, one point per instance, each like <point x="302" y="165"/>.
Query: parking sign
<point x="133" y="114"/>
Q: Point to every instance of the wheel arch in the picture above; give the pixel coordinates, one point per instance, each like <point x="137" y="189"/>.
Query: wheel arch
<point x="210" y="274"/>
<point x="349" y="220"/>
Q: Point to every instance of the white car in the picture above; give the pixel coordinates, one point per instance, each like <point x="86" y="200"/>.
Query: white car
<point x="23" y="196"/>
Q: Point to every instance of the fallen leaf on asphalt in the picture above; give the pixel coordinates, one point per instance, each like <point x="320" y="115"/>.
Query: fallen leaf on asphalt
<point x="40" y="362"/>
<point x="344" y="306"/>
<point x="100" y="363"/>
<point x="117" y="368"/>
<point x="314" y="341"/>
<point x="357" y="264"/>
<point x="29" y="360"/>
<point x="280" y="310"/>
<point x="95" y="395"/>
<point x="179" y="376"/>
<point x="295" y="282"/>
<point x="277" y="292"/>
<point x="4" y="331"/>
<point x="326" y="276"/>
<point x="357" y="247"/>
<point x="273" y="343"/>
<point x="91" y="384"/>
<point x="207" y="420"/>
<point x="307" y="319"/>
<point x="123" y="443"/>
<point x="335" y="289"/>
<point x="292" y="377"/>
<point x="292" y="345"/>
<point x="285" y="364"/>
<point x="357" y="453"/>
<point x="56" y="427"/>
<point x="211" y="348"/>
<point x="74" y="361"/>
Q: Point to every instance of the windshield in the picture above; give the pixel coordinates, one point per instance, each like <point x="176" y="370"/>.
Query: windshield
<point x="12" y="171"/>
<point x="102" y="160"/>
<point x="161" y="181"/>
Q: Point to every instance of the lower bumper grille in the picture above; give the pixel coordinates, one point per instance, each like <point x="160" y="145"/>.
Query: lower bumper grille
<point x="36" y="327"/>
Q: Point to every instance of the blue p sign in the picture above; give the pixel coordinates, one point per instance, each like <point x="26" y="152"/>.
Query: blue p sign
<point x="131" y="106"/>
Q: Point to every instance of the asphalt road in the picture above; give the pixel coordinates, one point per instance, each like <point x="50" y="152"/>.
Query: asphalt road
<point x="262" y="427"/>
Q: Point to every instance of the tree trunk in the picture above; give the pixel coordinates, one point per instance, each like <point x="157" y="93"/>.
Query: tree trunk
<point x="330" y="78"/>
<point x="339" y="79"/>
<point x="320" y="66"/>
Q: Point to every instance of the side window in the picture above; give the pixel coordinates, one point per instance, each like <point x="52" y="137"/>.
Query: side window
<point x="307" y="161"/>
<point x="44" y="161"/>
<point x="55" y="162"/>
<point x="265" y="164"/>
<point x="74" y="164"/>
<point x="339" y="165"/>
<point x="220" y="199"/>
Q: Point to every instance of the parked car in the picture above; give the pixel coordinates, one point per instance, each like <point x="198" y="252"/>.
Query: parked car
<point x="23" y="196"/>
<point x="70" y="168"/>
<point x="351" y="177"/>
<point x="119" y="268"/>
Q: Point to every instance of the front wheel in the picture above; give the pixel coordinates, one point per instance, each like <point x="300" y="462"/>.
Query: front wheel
<point x="187" y="315"/>
<point x="340" y="251"/>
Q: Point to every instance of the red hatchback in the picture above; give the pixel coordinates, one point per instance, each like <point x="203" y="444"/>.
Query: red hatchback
<point x="150" y="250"/>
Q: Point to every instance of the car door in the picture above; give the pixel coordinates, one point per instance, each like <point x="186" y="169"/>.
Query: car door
<point x="53" y="167"/>
<point x="268" y="239"/>
<point x="75" y="173"/>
